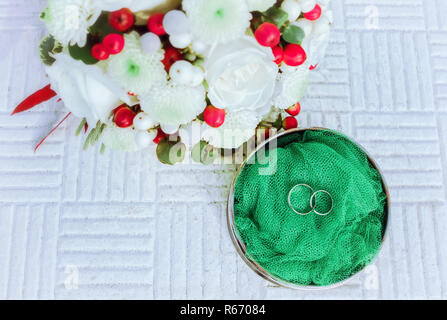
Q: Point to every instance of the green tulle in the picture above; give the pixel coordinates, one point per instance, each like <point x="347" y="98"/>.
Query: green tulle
<point x="312" y="249"/>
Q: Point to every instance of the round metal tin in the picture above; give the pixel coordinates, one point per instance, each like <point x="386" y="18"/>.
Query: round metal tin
<point x="240" y="246"/>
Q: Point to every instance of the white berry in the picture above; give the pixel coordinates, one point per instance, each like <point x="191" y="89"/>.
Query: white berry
<point x="175" y="22"/>
<point x="198" y="76"/>
<point x="292" y="8"/>
<point x="307" y="5"/>
<point x="143" y="122"/>
<point x="180" y="41"/>
<point x="182" y="72"/>
<point x="150" y="43"/>
<point x="305" y="25"/>
<point x="144" y="138"/>
<point x="169" y="129"/>
<point x="199" y="47"/>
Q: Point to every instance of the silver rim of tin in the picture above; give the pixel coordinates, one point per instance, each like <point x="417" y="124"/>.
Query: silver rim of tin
<point x="240" y="246"/>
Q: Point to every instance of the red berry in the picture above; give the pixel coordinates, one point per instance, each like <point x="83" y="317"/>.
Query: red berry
<point x="121" y="20"/>
<point x="100" y="52"/>
<point x="155" y="24"/>
<point x="278" y="52"/>
<point x="172" y="55"/>
<point x="214" y="117"/>
<point x="114" y="43"/>
<point x="294" y="55"/>
<point x="294" y="110"/>
<point x="268" y="35"/>
<point x="313" y="67"/>
<point x="160" y="136"/>
<point x="290" y="123"/>
<point x="123" y="116"/>
<point x="314" y="14"/>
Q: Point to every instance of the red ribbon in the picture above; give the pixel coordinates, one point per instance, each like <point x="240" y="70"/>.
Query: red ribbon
<point x="35" y="99"/>
<point x="52" y="131"/>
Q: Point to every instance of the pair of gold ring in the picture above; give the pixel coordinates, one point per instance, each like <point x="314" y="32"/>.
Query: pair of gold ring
<point x="313" y="200"/>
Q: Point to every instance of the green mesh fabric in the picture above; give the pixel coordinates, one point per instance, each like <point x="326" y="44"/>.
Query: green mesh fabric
<point x="311" y="250"/>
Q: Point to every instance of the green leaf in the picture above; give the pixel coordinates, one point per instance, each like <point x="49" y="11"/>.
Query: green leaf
<point x="81" y="126"/>
<point x="90" y="137"/>
<point x="293" y="34"/>
<point x="277" y="16"/>
<point x="83" y="54"/>
<point x="94" y="135"/>
<point x="103" y="148"/>
<point x="278" y="123"/>
<point x="102" y="27"/>
<point x="199" y="61"/>
<point x="204" y="153"/>
<point x="171" y="152"/>
<point x="206" y="85"/>
<point x="45" y="15"/>
<point x="99" y="129"/>
<point x="190" y="56"/>
<point x="201" y="117"/>
<point x="47" y="46"/>
<point x="249" y="32"/>
<point x="258" y="19"/>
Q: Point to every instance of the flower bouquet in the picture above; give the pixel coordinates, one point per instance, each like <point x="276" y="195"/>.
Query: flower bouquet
<point x="197" y="75"/>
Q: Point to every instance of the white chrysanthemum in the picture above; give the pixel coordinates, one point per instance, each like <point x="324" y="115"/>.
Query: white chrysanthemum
<point x="119" y="139"/>
<point x="68" y="21"/>
<point x="134" y="70"/>
<point x="291" y="85"/>
<point x="238" y="128"/>
<point x="173" y="105"/>
<point x="260" y="5"/>
<point x="217" y="20"/>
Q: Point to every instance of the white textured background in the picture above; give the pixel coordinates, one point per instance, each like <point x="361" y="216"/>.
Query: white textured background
<point x="132" y="228"/>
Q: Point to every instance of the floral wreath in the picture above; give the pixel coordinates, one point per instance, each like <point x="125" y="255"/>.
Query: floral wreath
<point x="138" y="72"/>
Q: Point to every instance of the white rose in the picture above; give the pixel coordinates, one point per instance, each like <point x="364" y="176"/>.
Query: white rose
<point x="241" y="76"/>
<point x="85" y="90"/>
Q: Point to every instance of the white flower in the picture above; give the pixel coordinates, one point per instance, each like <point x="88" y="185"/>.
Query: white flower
<point x="317" y="42"/>
<point x="217" y="20"/>
<point x="292" y="83"/>
<point x="238" y="128"/>
<point x="85" y="90"/>
<point x="68" y="21"/>
<point x="120" y="139"/>
<point x="134" y="70"/>
<point x="173" y="105"/>
<point x="133" y="5"/>
<point x="260" y="5"/>
<point x="241" y="76"/>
